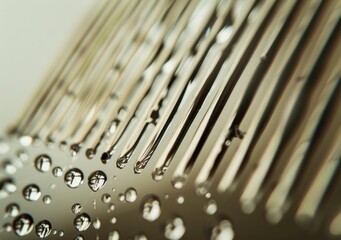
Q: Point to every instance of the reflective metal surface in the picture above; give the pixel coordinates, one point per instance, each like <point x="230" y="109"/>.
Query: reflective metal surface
<point x="184" y="120"/>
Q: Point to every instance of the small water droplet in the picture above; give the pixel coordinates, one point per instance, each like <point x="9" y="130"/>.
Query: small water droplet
<point x="22" y="155"/>
<point x="121" y="197"/>
<point x="223" y="231"/>
<point x="53" y="186"/>
<point x="7" y="187"/>
<point x="74" y="178"/>
<point x="54" y="231"/>
<point x="106" y="198"/>
<point x="166" y="196"/>
<point x="114" y="235"/>
<point x="32" y="192"/>
<point x="25" y="140"/>
<point x="201" y="190"/>
<point x="79" y="237"/>
<point x="175" y="229"/>
<point x="43" y="163"/>
<point x="82" y="222"/>
<point x="97" y="180"/>
<point x="151" y="209"/>
<point x="113" y="220"/>
<point x="76" y="208"/>
<point x="180" y="200"/>
<point x="140" y="237"/>
<point x="208" y="195"/>
<point x="7" y="227"/>
<point x="130" y="195"/>
<point x="43" y="229"/>
<point x="178" y="182"/>
<point x="4" y="148"/>
<point x="96" y="223"/>
<point x="210" y="207"/>
<point x="9" y="168"/>
<point x="113" y="189"/>
<point x="12" y="210"/>
<point x="47" y="199"/>
<point x="60" y="233"/>
<point x="23" y="224"/>
<point x="57" y="171"/>
<point x="94" y="204"/>
<point x="111" y="207"/>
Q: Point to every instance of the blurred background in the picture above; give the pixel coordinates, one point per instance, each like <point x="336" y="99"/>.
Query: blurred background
<point x="33" y="35"/>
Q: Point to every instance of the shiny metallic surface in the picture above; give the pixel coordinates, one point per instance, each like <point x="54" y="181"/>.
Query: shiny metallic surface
<point x="184" y="120"/>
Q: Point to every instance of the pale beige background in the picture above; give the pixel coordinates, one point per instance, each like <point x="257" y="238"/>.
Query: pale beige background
<point x="33" y="34"/>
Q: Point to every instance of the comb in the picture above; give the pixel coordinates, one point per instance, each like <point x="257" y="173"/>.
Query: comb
<point x="184" y="120"/>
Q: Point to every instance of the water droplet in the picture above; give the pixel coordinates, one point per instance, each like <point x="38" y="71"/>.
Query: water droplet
<point x="96" y="223"/>
<point x="201" y="190"/>
<point x="22" y="155"/>
<point x="130" y="195"/>
<point x="76" y="208"/>
<point x="9" y="168"/>
<point x="210" y="207"/>
<point x="74" y="178"/>
<point x="25" y="140"/>
<point x="23" y="224"/>
<point x="151" y="209"/>
<point x="335" y="225"/>
<point x="97" y="180"/>
<point x="208" y="195"/>
<point x="12" y="210"/>
<point x="113" y="220"/>
<point x="31" y="192"/>
<point x="54" y="231"/>
<point x="94" y="204"/>
<point x="175" y="229"/>
<point x="43" y="163"/>
<point x="53" y="186"/>
<point x="43" y="229"/>
<point x="4" y="148"/>
<point x="7" y="187"/>
<point x="178" y="182"/>
<point x="113" y="189"/>
<point x="79" y="237"/>
<point x="166" y="196"/>
<point x="82" y="222"/>
<point x="47" y="199"/>
<point x="74" y="149"/>
<point x="140" y="237"/>
<point x="114" y="235"/>
<point x="223" y="231"/>
<point x="180" y="200"/>
<point x="121" y="197"/>
<point x="111" y="207"/>
<point x="106" y="198"/>
<point x="57" y="171"/>
<point x="7" y="227"/>
<point x="60" y="233"/>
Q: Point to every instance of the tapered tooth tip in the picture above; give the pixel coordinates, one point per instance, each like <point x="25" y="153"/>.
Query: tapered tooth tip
<point x="105" y="156"/>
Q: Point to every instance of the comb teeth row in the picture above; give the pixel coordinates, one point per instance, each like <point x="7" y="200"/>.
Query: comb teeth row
<point x="236" y="98"/>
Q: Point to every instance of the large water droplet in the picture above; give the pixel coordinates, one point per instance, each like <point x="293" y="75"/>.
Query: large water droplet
<point x="12" y="210"/>
<point x="57" y="171"/>
<point x="31" y="192"/>
<point x="7" y="187"/>
<point x="97" y="180"/>
<point x="151" y="209"/>
<point x="47" y="199"/>
<point x="82" y="222"/>
<point x="223" y="231"/>
<point x="76" y="208"/>
<point x="74" y="178"/>
<point x="130" y="195"/>
<point x="96" y="223"/>
<point x="178" y="182"/>
<point x="43" y="229"/>
<point x="106" y="198"/>
<point x="23" y="224"/>
<point x="210" y="207"/>
<point x="43" y="163"/>
<point x="175" y="229"/>
<point x="9" y="168"/>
